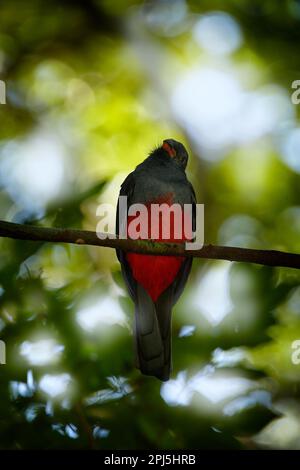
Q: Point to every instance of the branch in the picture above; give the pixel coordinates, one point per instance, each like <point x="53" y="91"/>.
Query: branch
<point x="84" y="237"/>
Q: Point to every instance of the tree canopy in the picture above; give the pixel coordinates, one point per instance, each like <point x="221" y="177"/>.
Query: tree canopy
<point x="91" y="87"/>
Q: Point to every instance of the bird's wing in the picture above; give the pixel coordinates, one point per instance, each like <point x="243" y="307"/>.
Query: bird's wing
<point x="183" y="274"/>
<point x="127" y="189"/>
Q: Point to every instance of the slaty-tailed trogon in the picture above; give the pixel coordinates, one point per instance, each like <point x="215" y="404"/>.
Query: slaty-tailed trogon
<point x="156" y="282"/>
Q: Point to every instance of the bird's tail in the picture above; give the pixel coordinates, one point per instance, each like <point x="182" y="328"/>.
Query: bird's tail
<point x="153" y="335"/>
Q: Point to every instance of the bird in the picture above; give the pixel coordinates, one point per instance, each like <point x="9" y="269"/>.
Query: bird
<point x="155" y="282"/>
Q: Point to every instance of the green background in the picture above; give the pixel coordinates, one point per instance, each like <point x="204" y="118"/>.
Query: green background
<point x="91" y="88"/>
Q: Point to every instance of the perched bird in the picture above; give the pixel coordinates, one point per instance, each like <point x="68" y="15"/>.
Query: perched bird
<point x="155" y="283"/>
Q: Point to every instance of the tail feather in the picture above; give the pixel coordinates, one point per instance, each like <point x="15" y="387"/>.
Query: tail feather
<point x="153" y="336"/>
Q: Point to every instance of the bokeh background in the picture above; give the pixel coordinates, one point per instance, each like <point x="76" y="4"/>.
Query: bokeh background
<point x="92" y="86"/>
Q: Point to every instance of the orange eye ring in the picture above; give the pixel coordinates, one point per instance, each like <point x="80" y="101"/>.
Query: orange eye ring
<point x="167" y="147"/>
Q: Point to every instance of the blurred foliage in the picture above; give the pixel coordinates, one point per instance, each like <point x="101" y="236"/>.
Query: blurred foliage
<point x="92" y="86"/>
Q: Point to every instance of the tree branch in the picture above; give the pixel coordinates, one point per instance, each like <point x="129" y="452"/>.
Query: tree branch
<point x="84" y="237"/>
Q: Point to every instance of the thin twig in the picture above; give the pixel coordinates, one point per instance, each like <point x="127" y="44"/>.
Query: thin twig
<point x="85" y="237"/>
<point x="85" y="425"/>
